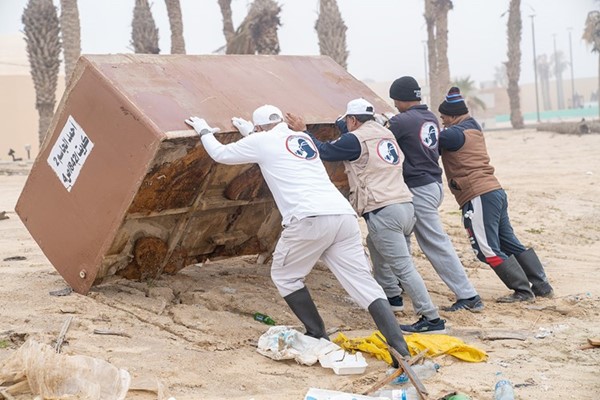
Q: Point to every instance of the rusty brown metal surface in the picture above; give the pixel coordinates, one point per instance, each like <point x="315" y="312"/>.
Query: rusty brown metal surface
<point x="148" y="199"/>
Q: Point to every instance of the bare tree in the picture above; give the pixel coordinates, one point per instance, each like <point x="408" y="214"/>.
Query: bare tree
<point x="331" y="30"/>
<point x="257" y="34"/>
<point x="70" y="34"/>
<point x="591" y="35"/>
<point x="144" y="33"/>
<point x="436" y="19"/>
<point x="176" y="23"/>
<point x="228" y="30"/>
<point x="41" y="28"/>
<point x="513" y="65"/>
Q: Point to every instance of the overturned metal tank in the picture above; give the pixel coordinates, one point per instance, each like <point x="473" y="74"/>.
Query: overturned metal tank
<point x="123" y="186"/>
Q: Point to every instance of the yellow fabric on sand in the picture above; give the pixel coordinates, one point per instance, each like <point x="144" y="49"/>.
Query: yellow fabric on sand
<point x="435" y="344"/>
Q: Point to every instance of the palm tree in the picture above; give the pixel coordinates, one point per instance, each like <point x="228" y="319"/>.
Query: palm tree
<point x="559" y="65"/>
<point x="467" y="89"/>
<point x="543" y="69"/>
<point x="257" y="34"/>
<point x="176" y="23"/>
<point x="436" y="19"/>
<point x="228" y="30"/>
<point x="331" y="30"/>
<point x="41" y="28"/>
<point x="513" y="65"/>
<point x="144" y="34"/>
<point x="70" y="35"/>
<point x="591" y="35"/>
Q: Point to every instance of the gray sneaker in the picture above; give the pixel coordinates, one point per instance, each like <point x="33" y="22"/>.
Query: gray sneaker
<point x="473" y="304"/>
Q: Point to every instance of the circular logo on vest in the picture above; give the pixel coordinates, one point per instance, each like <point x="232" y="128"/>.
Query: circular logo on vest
<point x="429" y="135"/>
<point x="301" y="147"/>
<point x="388" y="151"/>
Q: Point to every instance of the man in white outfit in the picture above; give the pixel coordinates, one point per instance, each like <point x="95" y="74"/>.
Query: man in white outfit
<point x="318" y="222"/>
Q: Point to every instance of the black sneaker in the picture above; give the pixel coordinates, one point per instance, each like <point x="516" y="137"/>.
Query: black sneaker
<point x="424" y="325"/>
<point x="473" y="304"/>
<point x="396" y="303"/>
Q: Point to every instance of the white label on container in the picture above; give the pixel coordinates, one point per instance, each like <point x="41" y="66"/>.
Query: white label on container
<point x="69" y="153"/>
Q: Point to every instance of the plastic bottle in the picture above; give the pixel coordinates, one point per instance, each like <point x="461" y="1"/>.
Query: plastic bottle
<point x="399" y="394"/>
<point x="504" y="389"/>
<point x="423" y="371"/>
<point x="264" y="318"/>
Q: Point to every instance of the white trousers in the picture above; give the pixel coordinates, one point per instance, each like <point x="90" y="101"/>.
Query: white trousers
<point x="337" y="241"/>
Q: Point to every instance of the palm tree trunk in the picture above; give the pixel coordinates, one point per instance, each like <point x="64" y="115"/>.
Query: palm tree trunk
<point x="176" y="23"/>
<point x="441" y="30"/>
<point x="70" y="34"/>
<point x="513" y="65"/>
<point x="46" y="113"/>
<point x="41" y="28"/>
<point x="144" y="33"/>
<point x="598" y="97"/>
<point x="331" y="31"/>
<point x="227" y="20"/>
<point x="434" y="87"/>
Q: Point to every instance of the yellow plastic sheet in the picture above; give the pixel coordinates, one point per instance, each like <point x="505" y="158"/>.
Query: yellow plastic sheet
<point x="435" y="344"/>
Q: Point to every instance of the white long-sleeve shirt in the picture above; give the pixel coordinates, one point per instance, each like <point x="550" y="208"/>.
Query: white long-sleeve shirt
<point x="292" y="168"/>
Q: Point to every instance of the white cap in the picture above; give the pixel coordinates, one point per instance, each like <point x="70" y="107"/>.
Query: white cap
<point x="266" y="114"/>
<point x="359" y="107"/>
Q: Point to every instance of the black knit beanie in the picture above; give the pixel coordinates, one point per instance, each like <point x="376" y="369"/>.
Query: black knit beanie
<point x="405" y="89"/>
<point x="454" y="103"/>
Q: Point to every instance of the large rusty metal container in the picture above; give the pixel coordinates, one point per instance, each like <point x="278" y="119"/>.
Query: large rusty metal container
<point x="123" y="186"/>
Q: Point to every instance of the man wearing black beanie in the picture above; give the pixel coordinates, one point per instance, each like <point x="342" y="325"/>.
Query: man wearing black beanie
<point x="484" y="204"/>
<point x="416" y="129"/>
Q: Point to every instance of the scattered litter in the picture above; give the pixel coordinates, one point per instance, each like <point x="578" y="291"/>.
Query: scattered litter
<point x="228" y="290"/>
<point x="528" y="382"/>
<point x="545" y="332"/>
<point x="592" y="344"/>
<point x="53" y="375"/>
<point x="3" y="215"/>
<point x="63" y="333"/>
<point x="284" y="343"/>
<point x="61" y="292"/>
<point x="324" y="394"/>
<point x="344" y="363"/>
<point x="15" y="258"/>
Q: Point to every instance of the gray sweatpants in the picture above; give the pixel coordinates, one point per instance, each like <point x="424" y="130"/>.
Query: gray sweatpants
<point x="434" y="241"/>
<point x="337" y="241"/>
<point x="388" y="243"/>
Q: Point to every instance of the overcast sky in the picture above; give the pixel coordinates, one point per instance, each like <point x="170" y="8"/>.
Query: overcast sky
<point x="385" y="37"/>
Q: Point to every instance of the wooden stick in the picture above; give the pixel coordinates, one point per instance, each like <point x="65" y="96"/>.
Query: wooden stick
<point x="107" y="332"/>
<point x="63" y="333"/>
<point x="414" y="379"/>
<point x="388" y="379"/>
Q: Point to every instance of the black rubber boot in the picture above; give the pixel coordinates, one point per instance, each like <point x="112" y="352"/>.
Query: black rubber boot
<point x="305" y="309"/>
<point x="534" y="270"/>
<point x="513" y="276"/>
<point x="386" y="323"/>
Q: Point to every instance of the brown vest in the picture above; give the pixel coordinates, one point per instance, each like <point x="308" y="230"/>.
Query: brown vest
<point x="468" y="169"/>
<point x="375" y="177"/>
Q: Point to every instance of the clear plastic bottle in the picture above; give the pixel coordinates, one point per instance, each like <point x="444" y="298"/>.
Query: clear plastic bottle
<point x="504" y="389"/>
<point x="398" y="394"/>
<point x="423" y="371"/>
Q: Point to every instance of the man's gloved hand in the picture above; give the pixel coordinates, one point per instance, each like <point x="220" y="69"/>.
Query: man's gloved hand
<point x="383" y="119"/>
<point x="341" y="124"/>
<point x="245" y="127"/>
<point x="201" y="126"/>
<point x="295" y="122"/>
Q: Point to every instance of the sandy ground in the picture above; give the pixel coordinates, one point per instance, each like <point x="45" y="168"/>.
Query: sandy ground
<point x="195" y="334"/>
